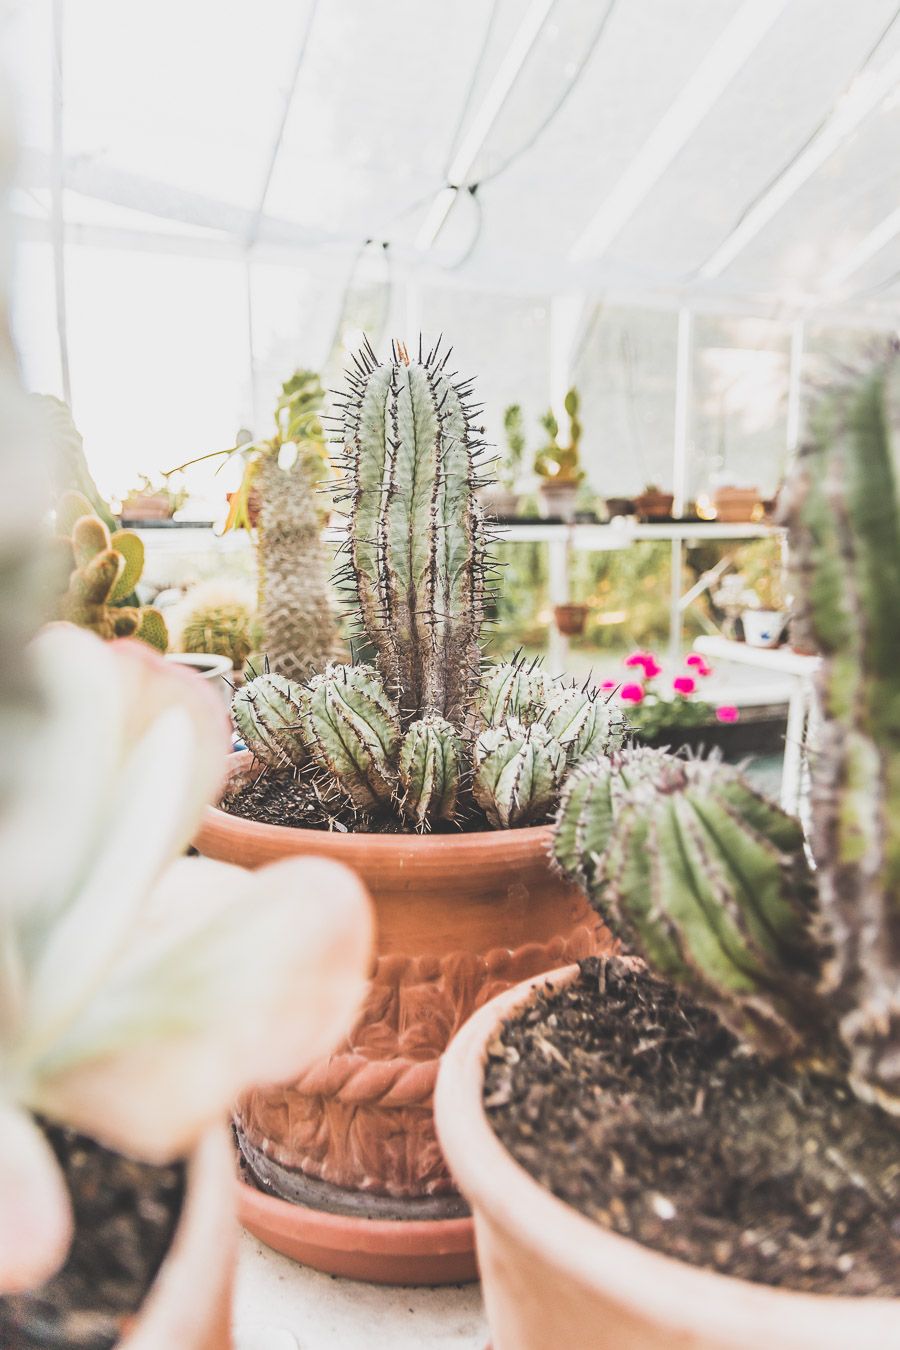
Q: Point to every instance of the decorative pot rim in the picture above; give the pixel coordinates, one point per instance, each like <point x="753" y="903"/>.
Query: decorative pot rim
<point x="421" y="844"/>
<point x="658" y="1287"/>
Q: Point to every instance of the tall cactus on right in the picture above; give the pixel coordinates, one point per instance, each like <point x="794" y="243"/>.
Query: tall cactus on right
<point x="707" y="880"/>
<point x="842" y="510"/>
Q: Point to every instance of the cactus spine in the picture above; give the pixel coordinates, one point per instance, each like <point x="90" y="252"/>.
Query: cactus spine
<point x="841" y="509"/>
<point x="416" y="537"/>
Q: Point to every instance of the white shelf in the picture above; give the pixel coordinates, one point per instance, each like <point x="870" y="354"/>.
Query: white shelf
<point x="779" y="660"/>
<point x="622" y="532"/>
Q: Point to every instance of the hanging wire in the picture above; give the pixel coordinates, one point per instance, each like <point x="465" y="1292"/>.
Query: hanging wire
<point x="813" y="135"/>
<point x="560" y="102"/>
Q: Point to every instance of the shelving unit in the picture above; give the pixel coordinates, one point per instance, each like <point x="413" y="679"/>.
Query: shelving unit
<point x="560" y="539"/>
<point x="621" y="533"/>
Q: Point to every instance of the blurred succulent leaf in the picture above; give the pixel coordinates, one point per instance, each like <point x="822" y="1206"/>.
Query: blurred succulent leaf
<point x="37" y="1216"/>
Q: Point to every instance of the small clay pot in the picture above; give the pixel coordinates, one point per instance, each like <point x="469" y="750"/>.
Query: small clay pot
<point x="189" y="1304"/>
<point x="570" y="619"/>
<point x="459" y="918"/>
<point x="737" y="505"/>
<point x="552" y="1277"/>
<point x="654" y="505"/>
<point x="147" y="506"/>
<point x="557" y="500"/>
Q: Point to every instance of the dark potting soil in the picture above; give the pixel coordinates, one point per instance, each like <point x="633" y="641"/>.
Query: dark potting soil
<point x="640" y="1110"/>
<point x="281" y="799"/>
<point x="126" y="1214"/>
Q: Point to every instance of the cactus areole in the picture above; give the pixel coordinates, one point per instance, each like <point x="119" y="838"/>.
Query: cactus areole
<point x="419" y="730"/>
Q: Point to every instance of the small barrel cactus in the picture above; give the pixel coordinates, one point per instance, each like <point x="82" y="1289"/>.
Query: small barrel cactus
<point x="431" y="762"/>
<point x="513" y="689"/>
<point x="708" y="881"/>
<point x="266" y="714"/>
<point x="216" y="618"/>
<point x="518" y="772"/>
<point x="351" y="729"/>
<point x="583" y="723"/>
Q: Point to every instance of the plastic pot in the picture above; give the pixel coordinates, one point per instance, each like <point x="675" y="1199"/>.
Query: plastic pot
<point x="557" y="500"/>
<point x="763" y="627"/>
<point x="552" y="1277"/>
<point x="349" y="1154"/>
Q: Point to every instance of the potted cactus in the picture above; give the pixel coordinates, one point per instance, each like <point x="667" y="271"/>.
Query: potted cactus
<point x="101" y="571"/>
<point x="654" y="504"/>
<point x="558" y="466"/>
<point x="435" y="778"/>
<point x="500" y="499"/>
<point x="738" y="1095"/>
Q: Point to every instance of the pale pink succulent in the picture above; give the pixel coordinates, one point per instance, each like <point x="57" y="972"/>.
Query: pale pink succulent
<point x="142" y="991"/>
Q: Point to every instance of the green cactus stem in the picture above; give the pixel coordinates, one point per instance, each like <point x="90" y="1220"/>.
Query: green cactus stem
<point x="267" y="713"/>
<point x="841" y="509"/>
<point x="584" y="724"/>
<point x="589" y="804"/>
<point x="518" y="772"/>
<point x="709" y="883"/>
<point x="104" y="570"/>
<point x="416" y="535"/>
<point x="351" y="729"/>
<point x="513" y="689"/>
<point x="431" y="759"/>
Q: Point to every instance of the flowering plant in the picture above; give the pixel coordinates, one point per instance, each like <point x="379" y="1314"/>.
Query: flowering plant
<point x="653" y="710"/>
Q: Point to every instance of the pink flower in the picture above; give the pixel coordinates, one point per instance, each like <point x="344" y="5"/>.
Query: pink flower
<point x="727" y="712"/>
<point x="608" y="685"/>
<point x="631" y="693"/>
<point x="683" y="684"/>
<point x="698" y="663"/>
<point x="647" y="661"/>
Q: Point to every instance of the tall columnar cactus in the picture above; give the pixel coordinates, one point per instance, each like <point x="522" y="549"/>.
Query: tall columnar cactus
<point x="296" y="615"/>
<point x="422" y="732"/>
<point x="416" y="538"/>
<point x="104" y="569"/>
<point x="709" y="881"/>
<point x="841" y="509"/>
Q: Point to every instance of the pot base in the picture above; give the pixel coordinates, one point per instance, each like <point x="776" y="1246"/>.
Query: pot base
<point x="381" y="1251"/>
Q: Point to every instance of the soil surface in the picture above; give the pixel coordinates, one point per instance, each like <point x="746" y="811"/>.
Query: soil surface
<point x="639" y="1109"/>
<point x="280" y="799"/>
<point x="126" y="1214"/>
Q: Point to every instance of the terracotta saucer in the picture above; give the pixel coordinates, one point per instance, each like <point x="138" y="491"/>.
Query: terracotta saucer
<point x="382" y="1251"/>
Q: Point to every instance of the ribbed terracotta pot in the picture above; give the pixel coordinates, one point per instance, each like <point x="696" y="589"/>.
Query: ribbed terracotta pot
<point x="189" y="1304"/>
<point x="459" y="918"/>
<point x="551" y="1277"/>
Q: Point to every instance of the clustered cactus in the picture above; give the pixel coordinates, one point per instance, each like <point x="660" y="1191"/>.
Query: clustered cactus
<point x="709" y="881"/>
<point x="420" y="728"/>
<point x="103" y="570"/>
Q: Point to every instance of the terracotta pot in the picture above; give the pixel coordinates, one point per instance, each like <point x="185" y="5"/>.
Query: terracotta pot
<point x="552" y="1277"/>
<point x="147" y="506"/>
<point x="570" y="619"/>
<point x="557" y="499"/>
<point x="189" y="1304"/>
<point x="654" y="505"/>
<point x="460" y="918"/>
<point x="734" y="505"/>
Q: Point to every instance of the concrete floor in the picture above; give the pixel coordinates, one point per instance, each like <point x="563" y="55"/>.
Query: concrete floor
<point x="279" y="1305"/>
